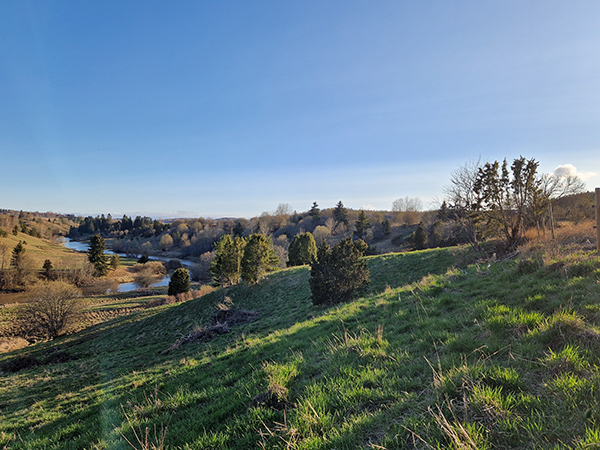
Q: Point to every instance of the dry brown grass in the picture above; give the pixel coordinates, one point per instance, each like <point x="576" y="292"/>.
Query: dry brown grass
<point x="191" y="295"/>
<point x="568" y="236"/>
<point x="571" y="252"/>
<point x="8" y="344"/>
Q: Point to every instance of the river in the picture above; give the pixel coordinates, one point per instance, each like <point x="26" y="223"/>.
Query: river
<point x="126" y="287"/>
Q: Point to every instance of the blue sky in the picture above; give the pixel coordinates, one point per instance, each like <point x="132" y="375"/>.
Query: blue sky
<point x="203" y="108"/>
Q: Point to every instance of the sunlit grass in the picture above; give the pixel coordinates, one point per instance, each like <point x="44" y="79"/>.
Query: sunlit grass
<point x="434" y="353"/>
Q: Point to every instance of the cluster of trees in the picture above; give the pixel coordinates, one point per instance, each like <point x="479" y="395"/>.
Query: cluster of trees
<point x="196" y="237"/>
<point x="498" y="200"/>
<point x="336" y="272"/>
<point x="39" y="225"/>
<point x="238" y="258"/>
<point x="19" y="270"/>
<point x="140" y="226"/>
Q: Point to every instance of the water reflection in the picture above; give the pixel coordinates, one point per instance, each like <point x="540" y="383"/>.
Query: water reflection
<point x="126" y="287"/>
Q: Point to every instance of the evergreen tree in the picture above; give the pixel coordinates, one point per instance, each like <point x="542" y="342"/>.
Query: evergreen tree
<point x="386" y="227"/>
<point x="47" y="267"/>
<point x="444" y="212"/>
<point x="96" y="255"/>
<point x="126" y="223"/>
<point x="303" y="250"/>
<point x="337" y="273"/>
<point x="17" y="255"/>
<point x="180" y="282"/>
<point x="315" y="213"/>
<point x="420" y="237"/>
<point x="17" y="262"/>
<point x="259" y="258"/>
<point x="507" y="198"/>
<point x="340" y="214"/>
<point x="226" y="267"/>
<point x="238" y="230"/>
<point x="362" y="224"/>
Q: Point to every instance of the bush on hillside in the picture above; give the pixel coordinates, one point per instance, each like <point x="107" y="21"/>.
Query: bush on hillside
<point x="337" y="273"/>
<point x="258" y="259"/>
<point x="303" y="250"/>
<point x="226" y="267"/>
<point x="180" y="282"/>
<point x="53" y="308"/>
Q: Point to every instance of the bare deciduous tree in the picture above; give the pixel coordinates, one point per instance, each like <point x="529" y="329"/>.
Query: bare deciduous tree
<point x="321" y="234"/>
<point x="166" y="242"/>
<point x="461" y="198"/>
<point x="555" y="187"/>
<point x="54" y="307"/>
<point x="407" y="209"/>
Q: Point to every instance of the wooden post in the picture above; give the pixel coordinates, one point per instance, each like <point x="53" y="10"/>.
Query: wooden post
<point x="551" y="219"/>
<point x="597" y="203"/>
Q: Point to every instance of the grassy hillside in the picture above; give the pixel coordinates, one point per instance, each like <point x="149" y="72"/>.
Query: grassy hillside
<point x="39" y="250"/>
<point x="430" y="356"/>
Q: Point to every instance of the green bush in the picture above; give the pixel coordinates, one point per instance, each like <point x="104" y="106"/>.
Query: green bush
<point x="258" y="259"/>
<point x="337" y="273"/>
<point x="303" y="250"/>
<point x="180" y="282"/>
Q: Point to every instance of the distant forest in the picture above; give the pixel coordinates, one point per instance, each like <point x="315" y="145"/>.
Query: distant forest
<point x="404" y="228"/>
<point x="483" y="202"/>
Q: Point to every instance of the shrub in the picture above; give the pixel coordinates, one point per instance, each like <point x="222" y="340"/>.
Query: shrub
<point x="155" y="267"/>
<point x="259" y="258"/>
<point x="226" y="266"/>
<point x="115" y="261"/>
<point x="53" y="308"/>
<point x="19" y="363"/>
<point x="528" y="266"/>
<point x="145" y="278"/>
<point x="303" y="250"/>
<point x="173" y="264"/>
<point x="337" y="273"/>
<point x="180" y="282"/>
<point x="420" y="237"/>
<point x="398" y="240"/>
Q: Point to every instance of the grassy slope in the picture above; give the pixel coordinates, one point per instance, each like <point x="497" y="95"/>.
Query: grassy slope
<point x="42" y="249"/>
<point x="504" y="357"/>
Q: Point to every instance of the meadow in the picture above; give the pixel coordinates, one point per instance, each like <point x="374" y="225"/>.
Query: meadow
<point x="444" y="349"/>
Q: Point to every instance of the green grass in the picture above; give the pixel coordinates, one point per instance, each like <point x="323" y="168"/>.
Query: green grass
<point x="42" y="249"/>
<point x="428" y="356"/>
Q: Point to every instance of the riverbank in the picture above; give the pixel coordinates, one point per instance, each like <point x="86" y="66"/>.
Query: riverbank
<point x="126" y="280"/>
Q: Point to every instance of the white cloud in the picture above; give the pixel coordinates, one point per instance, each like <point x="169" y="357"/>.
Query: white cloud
<point x="565" y="170"/>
